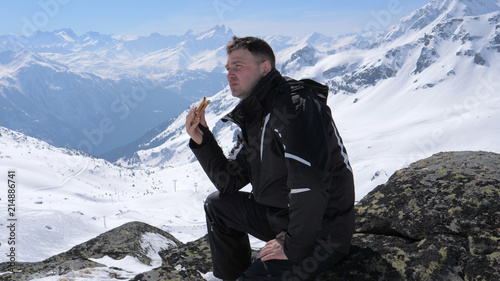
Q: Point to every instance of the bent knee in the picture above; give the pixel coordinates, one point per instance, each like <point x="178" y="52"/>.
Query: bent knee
<point x="209" y="202"/>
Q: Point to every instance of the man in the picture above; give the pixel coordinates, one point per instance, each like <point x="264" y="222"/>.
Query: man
<point x="302" y="200"/>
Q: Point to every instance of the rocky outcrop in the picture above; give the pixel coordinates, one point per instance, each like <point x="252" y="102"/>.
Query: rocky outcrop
<point x="127" y="240"/>
<point x="186" y="262"/>
<point x="427" y="57"/>
<point x="438" y="219"/>
<point x="303" y="57"/>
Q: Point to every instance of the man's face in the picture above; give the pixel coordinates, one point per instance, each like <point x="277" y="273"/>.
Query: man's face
<point x="244" y="71"/>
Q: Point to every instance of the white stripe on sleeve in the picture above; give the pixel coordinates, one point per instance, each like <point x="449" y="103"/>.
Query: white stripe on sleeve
<point x="299" y="190"/>
<point x="295" y="157"/>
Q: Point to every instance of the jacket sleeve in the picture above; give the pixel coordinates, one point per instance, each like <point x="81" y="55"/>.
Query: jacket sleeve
<point x="304" y="128"/>
<point x="228" y="174"/>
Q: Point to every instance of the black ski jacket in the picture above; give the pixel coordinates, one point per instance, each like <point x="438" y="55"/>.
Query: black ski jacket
<point x="290" y="151"/>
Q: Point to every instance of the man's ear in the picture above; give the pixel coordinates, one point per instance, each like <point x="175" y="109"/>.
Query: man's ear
<point x="266" y="67"/>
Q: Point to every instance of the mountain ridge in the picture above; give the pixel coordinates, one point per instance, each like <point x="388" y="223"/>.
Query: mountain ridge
<point x="444" y="9"/>
<point x="88" y="74"/>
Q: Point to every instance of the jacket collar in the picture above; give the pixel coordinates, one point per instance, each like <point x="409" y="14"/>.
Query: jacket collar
<point x="258" y="102"/>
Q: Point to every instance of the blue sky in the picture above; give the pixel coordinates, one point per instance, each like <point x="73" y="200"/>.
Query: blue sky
<point x="244" y="17"/>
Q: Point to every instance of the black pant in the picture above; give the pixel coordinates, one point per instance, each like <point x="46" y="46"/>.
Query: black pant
<point x="230" y="218"/>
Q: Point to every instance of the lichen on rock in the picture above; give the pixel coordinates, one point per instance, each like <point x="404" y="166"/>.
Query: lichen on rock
<point x="439" y="219"/>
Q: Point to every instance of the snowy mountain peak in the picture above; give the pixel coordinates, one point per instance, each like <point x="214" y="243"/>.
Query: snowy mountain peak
<point x="315" y="37"/>
<point x="221" y="29"/>
<point x="58" y="36"/>
<point x="14" y="61"/>
<point x="216" y="32"/>
<point x="438" y="10"/>
<point x="461" y="8"/>
<point x="67" y="34"/>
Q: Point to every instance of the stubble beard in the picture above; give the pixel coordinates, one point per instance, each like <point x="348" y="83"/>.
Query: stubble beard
<point x="244" y="93"/>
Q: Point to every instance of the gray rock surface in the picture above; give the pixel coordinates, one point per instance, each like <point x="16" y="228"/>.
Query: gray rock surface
<point x="117" y="243"/>
<point x="438" y="219"/>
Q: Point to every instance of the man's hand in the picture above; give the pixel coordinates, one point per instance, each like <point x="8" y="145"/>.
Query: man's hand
<point x="274" y="249"/>
<point x="192" y="127"/>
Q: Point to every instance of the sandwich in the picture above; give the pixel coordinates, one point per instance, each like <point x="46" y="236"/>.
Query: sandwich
<point x="201" y="108"/>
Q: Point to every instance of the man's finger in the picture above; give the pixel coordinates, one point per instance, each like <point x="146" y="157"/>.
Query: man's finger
<point x="191" y="120"/>
<point x="203" y="121"/>
<point x="272" y="251"/>
<point x="268" y="249"/>
<point x="190" y="116"/>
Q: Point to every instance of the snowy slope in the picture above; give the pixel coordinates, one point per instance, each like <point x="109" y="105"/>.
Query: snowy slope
<point x="65" y="197"/>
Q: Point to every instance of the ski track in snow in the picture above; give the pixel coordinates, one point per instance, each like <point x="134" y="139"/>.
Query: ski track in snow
<point x="64" y="181"/>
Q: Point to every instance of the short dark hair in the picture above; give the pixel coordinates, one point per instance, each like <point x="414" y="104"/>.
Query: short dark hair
<point x="256" y="46"/>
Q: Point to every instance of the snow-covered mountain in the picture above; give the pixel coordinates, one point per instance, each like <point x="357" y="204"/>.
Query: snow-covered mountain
<point x="425" y="85"/>
<point x="98" y="92"/>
